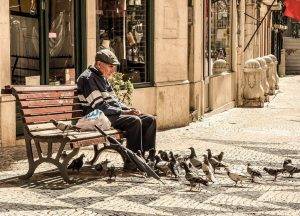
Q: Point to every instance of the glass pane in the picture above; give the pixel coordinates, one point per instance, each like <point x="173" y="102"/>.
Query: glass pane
<point x="24" y="46"/>
<point x="220" y="30"/>
<point x="61" y="42"/>
<point x="206" y="35"/>
<point x="23" y="6"/>
<point x="121" y="27"/>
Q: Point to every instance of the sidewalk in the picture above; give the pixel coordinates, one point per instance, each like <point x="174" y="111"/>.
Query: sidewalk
<point x="263" y="137"/>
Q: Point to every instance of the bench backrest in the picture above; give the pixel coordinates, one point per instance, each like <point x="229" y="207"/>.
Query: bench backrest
<point x="39" y="104"/>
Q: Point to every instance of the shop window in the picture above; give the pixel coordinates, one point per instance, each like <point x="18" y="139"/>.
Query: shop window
<point x="220" y="30"/>
<point x="26" y="25"/>
<point x="24" y="46"/>
<point x="122" y="28"/>
<point x="61" y="42"/>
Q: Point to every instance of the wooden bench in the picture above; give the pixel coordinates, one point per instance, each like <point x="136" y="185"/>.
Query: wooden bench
<point x="39" y="104"/>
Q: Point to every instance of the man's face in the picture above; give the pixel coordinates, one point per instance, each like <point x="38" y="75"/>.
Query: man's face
<point x="107" y="69"/>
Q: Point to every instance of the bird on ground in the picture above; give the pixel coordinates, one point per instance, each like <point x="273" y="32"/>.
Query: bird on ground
<point x="179" y="158"/>
<point x="253" y="172"/>
<point x="192" y="177"/>
<point x="194" y="160"/>
<point x="102" y="166"/>
<point x="208" y="169"/>
<point x="290" y="168"/>
<point x="63" y="155"/>
<point x="111" y="172"/>
<point x="139" y="153"/>
<point x="219" y="157"/>
<point x="151" y="161"/>
<point x="77" y="163"/>
<point x="64" y="127"/>
<point x="235" y="176"/>
<point x="161" y="165"/>
<point x="163" y="155"/>
<point x="173" y="165"/>
<point x="214" y="162"/>
<point x="273" y="172"/>
<point x="151" y="155"/>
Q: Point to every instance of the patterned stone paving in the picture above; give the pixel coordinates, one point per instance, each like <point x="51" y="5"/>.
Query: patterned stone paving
<point x="264" y="137"/>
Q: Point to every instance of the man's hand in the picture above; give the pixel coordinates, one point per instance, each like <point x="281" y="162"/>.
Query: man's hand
<point x="131" y="111"/>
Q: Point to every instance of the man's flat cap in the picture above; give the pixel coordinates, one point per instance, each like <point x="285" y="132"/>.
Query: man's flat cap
<point x="107" y="56"/>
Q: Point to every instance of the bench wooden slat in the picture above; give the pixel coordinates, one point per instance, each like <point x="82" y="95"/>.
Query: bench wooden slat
<point x="46" y="95"/>
<point x="51" y="110"/>
<point x="42" y="88"/>
<point x="44" y="126"/>
<point x="46" y="103"/>
<point x="47" y="118"/>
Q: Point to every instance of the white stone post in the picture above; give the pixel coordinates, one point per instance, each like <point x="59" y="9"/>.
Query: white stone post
<point x="270" y="75"/>
<point x="275" y="70"/>
<point x="219" y="66"/>
<point x="264" y="81"/>
<point x="253" y="90"/>
<point x="282" y="63"/>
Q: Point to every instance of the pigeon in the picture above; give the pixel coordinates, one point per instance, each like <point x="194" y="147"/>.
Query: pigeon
<point x="173" y="165"/>
<point x="139" y="153"/>
<point x="273" y="171"/>
<point x="63" y="155"/>
<point x="64" y="127"/>
<point x="214" y="162"/>
<point x="111" y="172"/>
<point x="208" y="169"/>
<point x="193" y="159"/>
<point x="235" y="176"/>
<point x="290" y="168"/>
<point x="77" y="163"/>
<point x="163" y="155"/>
<point x="102" y="166"/>
<point x="151" y="155"/>
<point x="192" y="177"/>
<point x="252" y="172"/>
<point x="219" y="157"/>
<point x="151" y="161"/>
<point x="161" y="165"/>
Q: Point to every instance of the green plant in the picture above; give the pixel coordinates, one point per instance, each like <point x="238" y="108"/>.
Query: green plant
<point x="123" y="88"/>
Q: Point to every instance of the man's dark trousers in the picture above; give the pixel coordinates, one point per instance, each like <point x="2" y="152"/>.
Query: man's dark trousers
<point x="140" y="130"/>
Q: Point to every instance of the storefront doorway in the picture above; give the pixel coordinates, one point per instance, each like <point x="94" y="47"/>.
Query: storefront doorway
<point x="44" y="49"/>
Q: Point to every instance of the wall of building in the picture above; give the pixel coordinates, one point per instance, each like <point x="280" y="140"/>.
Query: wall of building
<point x="7" y="104"/>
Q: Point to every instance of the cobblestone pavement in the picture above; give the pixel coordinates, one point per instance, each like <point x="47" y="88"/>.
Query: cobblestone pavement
<point x="264" y="137"/>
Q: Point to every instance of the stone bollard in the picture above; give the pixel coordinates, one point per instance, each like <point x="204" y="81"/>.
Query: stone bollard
<point x="253" y="90"/>
<point x="219" y="66"/>
<point x="281" y="70"/>
<point x="270" y="75"/>
<point x="275" y="72"/>
<point x="264" y="81"/>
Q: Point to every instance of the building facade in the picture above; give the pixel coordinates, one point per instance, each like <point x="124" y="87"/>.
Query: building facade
<point x="186" y="57"/>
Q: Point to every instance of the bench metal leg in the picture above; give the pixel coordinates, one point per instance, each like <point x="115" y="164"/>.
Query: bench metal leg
<point x="62" y="166"/>
<point x="96" y="155"/>
<point x="31" y="163"/>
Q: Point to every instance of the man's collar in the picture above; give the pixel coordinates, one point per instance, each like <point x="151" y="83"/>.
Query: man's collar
<point x="95" y="70"/>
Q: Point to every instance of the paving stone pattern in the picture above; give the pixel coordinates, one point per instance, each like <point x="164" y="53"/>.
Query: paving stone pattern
<point x="264" y="137"/>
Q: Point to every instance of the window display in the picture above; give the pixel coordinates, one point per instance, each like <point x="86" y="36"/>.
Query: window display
<point x="220" y="30"/>
<point x="121" y="27"/>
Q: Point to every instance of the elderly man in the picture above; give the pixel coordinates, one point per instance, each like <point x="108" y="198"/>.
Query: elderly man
<point x="95" y="92"/>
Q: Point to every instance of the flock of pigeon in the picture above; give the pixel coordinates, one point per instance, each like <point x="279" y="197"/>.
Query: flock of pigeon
<point x="169" y="164"/>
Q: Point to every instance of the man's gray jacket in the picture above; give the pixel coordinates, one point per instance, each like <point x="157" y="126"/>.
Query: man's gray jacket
<point x="95" y="92"/>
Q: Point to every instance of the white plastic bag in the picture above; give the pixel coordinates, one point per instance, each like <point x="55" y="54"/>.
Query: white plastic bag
<point x="96" y="117"/>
